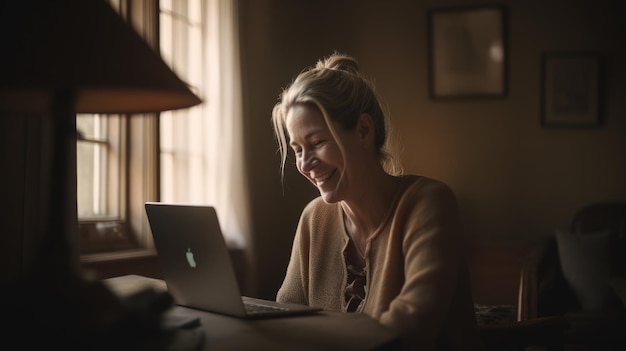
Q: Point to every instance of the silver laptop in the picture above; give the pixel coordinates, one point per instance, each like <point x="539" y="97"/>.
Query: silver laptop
<point x="197" y="267"/>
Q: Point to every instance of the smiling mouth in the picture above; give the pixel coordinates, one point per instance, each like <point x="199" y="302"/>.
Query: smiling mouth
<point x="321" y="180"/>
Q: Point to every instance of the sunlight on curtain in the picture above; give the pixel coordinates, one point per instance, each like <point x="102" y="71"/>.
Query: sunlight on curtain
<point x="202" y="160"/>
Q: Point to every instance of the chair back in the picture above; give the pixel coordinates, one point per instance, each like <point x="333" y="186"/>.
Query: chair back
<point x="600" y="217"/>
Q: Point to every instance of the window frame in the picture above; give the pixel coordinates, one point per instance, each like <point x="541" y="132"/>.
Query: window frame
<point x="109" y="232"/>
<point x="112" y="167"/>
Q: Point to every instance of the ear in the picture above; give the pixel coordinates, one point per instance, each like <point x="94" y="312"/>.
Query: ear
<point x="365" y="129"/>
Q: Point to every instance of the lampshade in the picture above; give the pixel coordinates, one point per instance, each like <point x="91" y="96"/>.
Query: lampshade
<point x="62" y="57"/>
<point x="82" y="49"/>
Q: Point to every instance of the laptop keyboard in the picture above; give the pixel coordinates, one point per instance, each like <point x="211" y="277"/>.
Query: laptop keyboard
<point x="253" y="308"/>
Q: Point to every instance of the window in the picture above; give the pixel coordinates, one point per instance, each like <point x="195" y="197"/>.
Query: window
<point x="181" y="132"/>
<point x="201" y="148"/>
<point x="188" y="156"/>
<point x="100" y="155"/>
<point x="99" y="152"/>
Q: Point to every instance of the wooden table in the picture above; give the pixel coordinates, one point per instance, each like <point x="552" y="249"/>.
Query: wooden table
<point x="322" y="331"/>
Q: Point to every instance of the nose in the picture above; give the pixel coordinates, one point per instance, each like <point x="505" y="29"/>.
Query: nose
<point x="308" y="161"/>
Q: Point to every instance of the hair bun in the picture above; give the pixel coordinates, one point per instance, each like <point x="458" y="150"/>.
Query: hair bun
<point x="340" y="62"/>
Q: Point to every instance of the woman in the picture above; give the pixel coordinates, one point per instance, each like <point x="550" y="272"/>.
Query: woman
<point x="386" y="245"/>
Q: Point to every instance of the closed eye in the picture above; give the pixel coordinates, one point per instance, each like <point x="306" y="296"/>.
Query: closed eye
<point x="312" y="144"/>
<point x="318" y="142"/>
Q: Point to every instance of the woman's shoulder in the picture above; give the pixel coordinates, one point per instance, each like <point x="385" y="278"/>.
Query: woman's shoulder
<point x="422" y="192"/>
<point x="321" y="218"/>
<point x="315" y="204"/>
<point x="428" y="201"/>
<point x="423" y="185"/>
<point x="317" y="207"/>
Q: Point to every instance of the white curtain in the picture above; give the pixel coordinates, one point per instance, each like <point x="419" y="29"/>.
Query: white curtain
<point x="202" y="156"/>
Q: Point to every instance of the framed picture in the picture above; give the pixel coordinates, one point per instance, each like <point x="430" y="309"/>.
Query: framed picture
<point x="467" y="52"/>
<point x="570" y="90"/>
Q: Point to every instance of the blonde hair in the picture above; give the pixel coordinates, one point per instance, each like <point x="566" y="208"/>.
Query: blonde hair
<point x="336" y="88"/>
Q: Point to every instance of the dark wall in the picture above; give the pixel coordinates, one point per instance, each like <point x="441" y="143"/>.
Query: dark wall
<point x="12" y="156"/>
<point x="515" y="181"/>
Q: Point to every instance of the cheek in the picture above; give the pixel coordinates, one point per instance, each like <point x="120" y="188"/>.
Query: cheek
<point x="333" y="155"/>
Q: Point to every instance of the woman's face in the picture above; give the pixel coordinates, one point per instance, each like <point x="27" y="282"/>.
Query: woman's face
<point x="318" y="157"/>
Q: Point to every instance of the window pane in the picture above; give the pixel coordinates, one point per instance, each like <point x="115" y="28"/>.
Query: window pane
<point x="201" y="147"/>
<point x="180" y="39"/>
<point x="98" y="156"/>
<point x="182" y="157"/>
<point x="88" y="180"/>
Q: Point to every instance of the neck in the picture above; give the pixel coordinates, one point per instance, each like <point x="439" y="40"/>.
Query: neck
<point x="365" y="214"/>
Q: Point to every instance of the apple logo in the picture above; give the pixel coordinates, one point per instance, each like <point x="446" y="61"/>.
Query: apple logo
<point x="190" y="259"/>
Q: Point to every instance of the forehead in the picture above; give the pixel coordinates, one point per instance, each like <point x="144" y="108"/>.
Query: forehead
<point x="303" y="120"/>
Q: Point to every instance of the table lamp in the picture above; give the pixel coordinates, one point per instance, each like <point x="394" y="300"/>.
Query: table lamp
<point x="65" y="57"/>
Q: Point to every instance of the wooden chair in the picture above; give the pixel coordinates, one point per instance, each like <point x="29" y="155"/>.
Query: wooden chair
<point x="522" y="329"/>
<point x="545" y="291"/>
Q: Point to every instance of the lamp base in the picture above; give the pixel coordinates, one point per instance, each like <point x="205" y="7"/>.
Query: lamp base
<point x="76" y="314"/>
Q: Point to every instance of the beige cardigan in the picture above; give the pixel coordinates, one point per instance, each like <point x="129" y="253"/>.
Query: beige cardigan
<point x="417" y="278"/>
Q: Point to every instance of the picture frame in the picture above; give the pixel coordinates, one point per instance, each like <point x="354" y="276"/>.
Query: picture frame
<point x="570" y="89"/>
<point x="467" y="52"/>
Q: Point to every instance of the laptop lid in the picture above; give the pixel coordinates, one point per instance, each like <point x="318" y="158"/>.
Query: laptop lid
<point x="195" y="261"/>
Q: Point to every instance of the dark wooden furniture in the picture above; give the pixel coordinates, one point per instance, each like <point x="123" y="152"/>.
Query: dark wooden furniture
<point x="322" y="331"/>
<point x="553" y="283"/>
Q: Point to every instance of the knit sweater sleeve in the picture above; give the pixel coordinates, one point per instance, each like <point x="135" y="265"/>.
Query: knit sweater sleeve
<point x="296" y="283"/>
<point x="316" y="273"/>
<point x="427" y="225"/>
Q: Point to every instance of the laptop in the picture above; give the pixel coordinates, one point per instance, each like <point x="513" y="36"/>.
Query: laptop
<point x="197" y="267"/>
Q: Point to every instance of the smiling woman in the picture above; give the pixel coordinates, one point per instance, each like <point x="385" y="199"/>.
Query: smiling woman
<point x="374" y="241"/>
